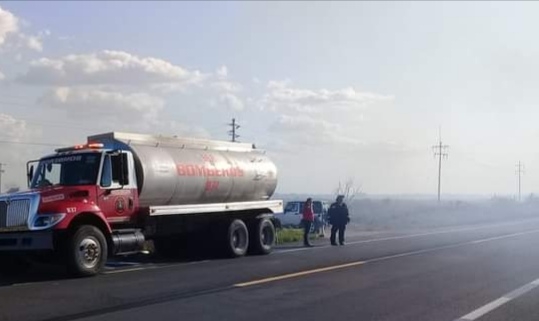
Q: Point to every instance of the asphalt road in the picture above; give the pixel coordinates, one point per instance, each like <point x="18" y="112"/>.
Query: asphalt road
<point x="482" y="272"/>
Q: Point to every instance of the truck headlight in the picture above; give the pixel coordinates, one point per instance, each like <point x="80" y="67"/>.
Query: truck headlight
<point x="44" y="221"/>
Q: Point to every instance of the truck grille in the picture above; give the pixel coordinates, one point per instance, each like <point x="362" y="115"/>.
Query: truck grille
<point x="14" y="213"/>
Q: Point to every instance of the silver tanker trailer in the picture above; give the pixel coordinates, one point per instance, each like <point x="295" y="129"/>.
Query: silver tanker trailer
<point x="110" y="195"/>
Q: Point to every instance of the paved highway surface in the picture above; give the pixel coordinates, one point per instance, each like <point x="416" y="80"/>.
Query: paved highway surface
<point x="482" y="272"/>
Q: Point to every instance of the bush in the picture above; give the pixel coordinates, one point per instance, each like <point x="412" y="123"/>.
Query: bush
<point x="291" y="235"/>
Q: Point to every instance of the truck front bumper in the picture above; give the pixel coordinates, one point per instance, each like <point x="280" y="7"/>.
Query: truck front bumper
<point x="26" y="241"/>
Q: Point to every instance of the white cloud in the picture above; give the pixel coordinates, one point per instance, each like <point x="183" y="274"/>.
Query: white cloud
<point x="222" y="72"/>
<point x="33" y="42"/>
<point x="45" y="33"/>
<point x="282" y="97"/>
<point x="222" y="83"/>
<point x="227" y="86"/>
<point x="90" y="101"/>
<point x="12" y="37"/>
<point x="174" y="128"/>
<point x="2" y="76"/>
<point x="15" y="152"/>
<point x="226" y="90"/>
<point x="108" y="68"/>
<point x="9" y="24"/>
<point x="309" y="119"/>
<point x="12" y="128"/>
<point x="232" y="102"/>
<point x="302" y="129"/>
<point x="304" y="123"/>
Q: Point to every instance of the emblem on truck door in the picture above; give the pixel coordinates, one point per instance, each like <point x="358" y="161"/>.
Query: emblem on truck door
<point x="120" y="205"/>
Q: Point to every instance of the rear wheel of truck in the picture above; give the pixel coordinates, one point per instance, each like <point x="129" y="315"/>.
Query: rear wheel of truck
<point x="237" y="239"/>
<point x="86" y="251"/>
<point x="262" y="237"/>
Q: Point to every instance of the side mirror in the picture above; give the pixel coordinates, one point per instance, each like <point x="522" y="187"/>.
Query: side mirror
<point x="30" y="175"/>
<point x="124" y="178"/>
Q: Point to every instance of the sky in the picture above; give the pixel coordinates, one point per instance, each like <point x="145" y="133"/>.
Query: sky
<point x="331" y="90"/>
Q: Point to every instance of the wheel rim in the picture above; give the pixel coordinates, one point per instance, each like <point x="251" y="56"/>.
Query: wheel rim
<point x="267" y="236"/>
<point x="239" y="240"/>
<point x="89" y="251"/>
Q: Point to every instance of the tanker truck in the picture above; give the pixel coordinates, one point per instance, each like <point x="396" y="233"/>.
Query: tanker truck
<point x="109" y="196"/>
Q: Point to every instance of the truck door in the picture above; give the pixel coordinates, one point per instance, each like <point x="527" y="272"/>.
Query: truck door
<point x="117" y="192"/>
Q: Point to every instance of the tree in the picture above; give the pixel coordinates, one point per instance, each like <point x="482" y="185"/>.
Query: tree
<point x="349" y="189"/>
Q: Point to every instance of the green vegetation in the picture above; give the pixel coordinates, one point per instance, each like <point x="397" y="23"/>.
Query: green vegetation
<point x="290" y="235"/>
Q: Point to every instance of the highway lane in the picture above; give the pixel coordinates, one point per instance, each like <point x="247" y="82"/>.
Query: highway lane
<point x="431" y="275"/>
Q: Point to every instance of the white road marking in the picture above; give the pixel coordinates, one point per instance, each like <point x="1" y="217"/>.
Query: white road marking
<point x="298" y="274"/>
<point x="383" y="258"/>
<point x="476" y="314"/>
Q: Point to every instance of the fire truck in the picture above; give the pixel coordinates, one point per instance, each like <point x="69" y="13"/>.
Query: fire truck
<point x="107" y="197"/>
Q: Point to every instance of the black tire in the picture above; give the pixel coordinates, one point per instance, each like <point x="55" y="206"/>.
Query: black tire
<point x="237" y="239"/>
<point x="87" y="251"/>
<point x="262" y="237"/>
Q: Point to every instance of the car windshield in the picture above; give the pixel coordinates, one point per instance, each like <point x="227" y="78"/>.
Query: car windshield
<point x="298" y="207"/>
<point x="72" y="170"/>
<point x="292" y="207"/>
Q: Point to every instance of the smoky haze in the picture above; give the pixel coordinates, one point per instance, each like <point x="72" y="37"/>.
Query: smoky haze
<point x="417" y="213"/>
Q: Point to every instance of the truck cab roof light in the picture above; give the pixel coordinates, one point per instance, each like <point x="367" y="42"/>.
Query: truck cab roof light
<point x="80" y="146"/>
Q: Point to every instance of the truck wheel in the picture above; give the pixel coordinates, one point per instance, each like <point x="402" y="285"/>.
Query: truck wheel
<point x="86" y="251"/>
<point x="237" y="239"/>
<point x="262" y="237"/>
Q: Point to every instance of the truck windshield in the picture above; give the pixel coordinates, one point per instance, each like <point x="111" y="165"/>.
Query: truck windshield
<point x="71" y="170"/>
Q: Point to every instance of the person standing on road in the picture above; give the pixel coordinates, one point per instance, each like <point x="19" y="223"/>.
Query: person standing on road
<point x="308" y="219"/>
<point x="338" y="218"/>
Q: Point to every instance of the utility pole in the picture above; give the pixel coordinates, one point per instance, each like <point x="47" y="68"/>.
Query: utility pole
<point x="519" y="172"/>
<point x="2" y="171"/>
<point x="232" y="132"/>
<point x="440" y="151"/>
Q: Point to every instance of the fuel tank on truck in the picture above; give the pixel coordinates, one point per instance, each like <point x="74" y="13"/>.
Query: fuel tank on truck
<point x="178" y="171"/>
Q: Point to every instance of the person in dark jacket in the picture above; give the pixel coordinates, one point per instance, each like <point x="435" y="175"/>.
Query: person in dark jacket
<point x="338" y="218"/>
<point x="308" y="219"/>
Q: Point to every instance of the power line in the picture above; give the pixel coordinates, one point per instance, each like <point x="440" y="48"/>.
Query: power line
<point x="519" y="172"/>
<point x="232" y="132"/>
<point x="440" y="151"/>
